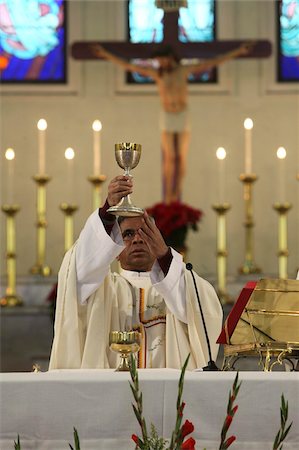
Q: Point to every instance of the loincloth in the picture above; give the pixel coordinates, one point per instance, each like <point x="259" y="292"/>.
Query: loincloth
<point x="174" y="122"/>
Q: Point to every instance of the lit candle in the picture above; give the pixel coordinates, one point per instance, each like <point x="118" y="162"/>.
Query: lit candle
<point x="281" y="155"/>
<point x="69" y="155"/>
<point x="221" y="155"/>
<point x="42" y="126"/>
<point x="248" y="125"/>
<point x="96" y="126"/>
<point x="10" y="156"/>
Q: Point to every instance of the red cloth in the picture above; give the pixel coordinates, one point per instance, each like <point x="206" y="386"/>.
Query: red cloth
<point x="236" y="312"/>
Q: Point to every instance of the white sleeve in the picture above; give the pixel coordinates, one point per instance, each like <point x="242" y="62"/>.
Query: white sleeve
<point x="297" y="278"/>
<point x="95" y="252"/>
<point x="173" y="286"/>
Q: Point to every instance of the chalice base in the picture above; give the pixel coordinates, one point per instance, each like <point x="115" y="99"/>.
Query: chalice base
<point x="125" y="209"/>
<point x="11" y="301"/>
<point x="124" y="363"/>
<point x="132" y="211"/>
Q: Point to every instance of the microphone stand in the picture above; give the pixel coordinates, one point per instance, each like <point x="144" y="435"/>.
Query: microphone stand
<point x="211" y="364"/>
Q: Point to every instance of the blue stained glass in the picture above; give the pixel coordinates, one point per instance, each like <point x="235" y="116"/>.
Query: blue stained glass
<point x="288" y="58"/>
<point x="145" y="22"/>
<point x="196" y="23"/>
<point x="32" y="41"/>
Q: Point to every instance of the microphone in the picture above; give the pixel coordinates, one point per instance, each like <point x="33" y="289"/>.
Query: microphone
<point x="211" y="364"/>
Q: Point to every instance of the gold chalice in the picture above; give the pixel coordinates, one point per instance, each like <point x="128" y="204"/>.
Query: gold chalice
<point x="127" y="155"/>
<point x="124" y="343"/>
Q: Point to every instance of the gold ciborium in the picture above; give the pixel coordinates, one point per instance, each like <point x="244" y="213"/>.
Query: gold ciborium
<point x="127" y="155"/>
<point x="124" y="343"/>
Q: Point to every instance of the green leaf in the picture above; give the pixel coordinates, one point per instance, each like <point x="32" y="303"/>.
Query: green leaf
<point x="17" y="444"/>
<point x="76" y="439"/>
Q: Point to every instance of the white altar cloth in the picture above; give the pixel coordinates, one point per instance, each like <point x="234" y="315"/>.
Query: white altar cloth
<point x="44" y="407"/>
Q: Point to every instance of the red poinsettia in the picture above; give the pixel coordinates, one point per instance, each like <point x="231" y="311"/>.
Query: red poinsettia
<point x="174" y="220"/>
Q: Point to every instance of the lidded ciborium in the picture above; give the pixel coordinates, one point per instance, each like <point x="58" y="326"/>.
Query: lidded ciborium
<point x="124" y="343"/>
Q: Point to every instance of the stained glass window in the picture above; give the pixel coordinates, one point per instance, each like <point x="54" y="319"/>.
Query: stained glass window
<point x="288" y="41"/>
<point x="32" y="41"/>
<point x="196" y="23"/>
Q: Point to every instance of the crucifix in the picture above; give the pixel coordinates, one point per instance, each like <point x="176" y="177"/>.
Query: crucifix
<point x="171" y="79"/>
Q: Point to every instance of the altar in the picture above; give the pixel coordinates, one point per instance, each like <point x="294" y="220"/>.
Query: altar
<point x="43" y="408"/>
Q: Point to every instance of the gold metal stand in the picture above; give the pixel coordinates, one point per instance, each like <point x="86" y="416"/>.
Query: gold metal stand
<point x="11" y="298"/>
<point x="221" y="209"/>
<point x="97" y="181"/>
<point x="249" y="265"/>
<point x="40" y="268"/>
<point x="282" y="209"/>
<point x="69" y="211"/>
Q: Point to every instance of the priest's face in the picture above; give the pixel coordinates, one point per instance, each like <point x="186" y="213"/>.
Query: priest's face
<point x="136" y="255"/>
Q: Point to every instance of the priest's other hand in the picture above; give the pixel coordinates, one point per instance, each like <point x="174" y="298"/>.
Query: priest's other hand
<point x="118" y="188"/>
<point x="152" y="237"/>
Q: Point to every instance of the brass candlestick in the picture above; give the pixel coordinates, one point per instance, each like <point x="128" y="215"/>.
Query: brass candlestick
<point x="11" y="298"/>
<point x="249" y="265"/>
<point x="68" y="211"/>
<point x="97" y="181"/>
<point x="221" y="209"/>
<point x="40" y="268"/>
<point x="283" y="253"/>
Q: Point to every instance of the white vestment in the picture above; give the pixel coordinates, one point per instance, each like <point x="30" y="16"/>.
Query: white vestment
<point x="92" y="301"/>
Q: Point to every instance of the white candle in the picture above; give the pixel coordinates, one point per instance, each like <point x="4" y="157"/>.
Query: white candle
<point x="281" y="155"/>
<point x="221" y="155"/>
<point x="96" y="126"/>
<point x="10" y="156"/>
<point x="42" y="126"/>
<point x="69" y="155"/>
<point x="248" y="125"/>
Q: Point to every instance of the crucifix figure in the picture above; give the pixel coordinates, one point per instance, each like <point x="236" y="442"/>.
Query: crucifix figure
<point x="171" y="78"/>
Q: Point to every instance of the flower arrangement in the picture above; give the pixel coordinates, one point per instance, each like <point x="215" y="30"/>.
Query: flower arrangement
<point x="151" y="441"/>
<point x="174" y="220"/>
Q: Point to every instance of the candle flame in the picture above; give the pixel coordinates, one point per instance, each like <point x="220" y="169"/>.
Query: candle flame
<point x="69" y="153"/>
<point x="97" y="125"/>
<point x="42" y="124"/>
<point x="281" y="153"/>
<point x="10" y="154"/>
<point x="248" y="124"/>
<point x="221" y="153"/>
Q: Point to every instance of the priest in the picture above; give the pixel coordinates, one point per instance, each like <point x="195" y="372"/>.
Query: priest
<point x="153" y="293"/>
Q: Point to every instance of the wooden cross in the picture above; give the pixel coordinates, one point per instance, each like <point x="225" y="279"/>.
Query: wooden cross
<point x="200" y="50"/>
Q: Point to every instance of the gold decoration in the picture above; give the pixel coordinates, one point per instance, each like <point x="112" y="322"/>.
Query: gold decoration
<point x="40" y="268"/>
<point x="268" y="327"/>
<point x="11" y="298"/>
<point x="221" y="209"/>
<point x="68" y="211"/>
<point x="171" y="5"/>
<point x="97" y="181"/>
<point x="124" y="343"/>
<point x="249" y="265"/>
<point x="283" y="253"/>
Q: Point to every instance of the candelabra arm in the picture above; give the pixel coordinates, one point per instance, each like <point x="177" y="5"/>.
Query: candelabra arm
<point x="283" y="253"/>
<point x="11" y="298"/>
<point x="221" y="210"/>
<point x="249" y="265"/>
<point x="68" y="211"/>
<point x="97" y="181"/>
<point x="40" y="268"/>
